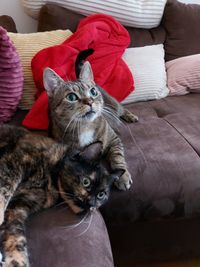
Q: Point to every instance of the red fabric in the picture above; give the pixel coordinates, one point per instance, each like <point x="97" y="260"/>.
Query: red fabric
<point x="108" y="38"/>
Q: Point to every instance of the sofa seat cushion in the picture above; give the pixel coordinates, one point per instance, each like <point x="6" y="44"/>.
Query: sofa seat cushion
<point x="168" y="105"/>
<point x="188" y="125"/>
<point x="162" y="152"/>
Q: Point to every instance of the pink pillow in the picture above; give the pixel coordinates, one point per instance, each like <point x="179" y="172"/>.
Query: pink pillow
<point x="11" y="77"/>
<point x="183" y="75"/>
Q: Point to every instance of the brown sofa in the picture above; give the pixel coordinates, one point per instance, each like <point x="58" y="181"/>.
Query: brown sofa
<point x="158" y="218"/>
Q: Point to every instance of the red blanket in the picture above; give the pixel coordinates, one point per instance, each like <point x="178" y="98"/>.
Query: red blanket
<point x="108" y="38"/>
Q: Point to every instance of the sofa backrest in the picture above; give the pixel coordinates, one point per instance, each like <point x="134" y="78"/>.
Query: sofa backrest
<point x="179" y="29"/>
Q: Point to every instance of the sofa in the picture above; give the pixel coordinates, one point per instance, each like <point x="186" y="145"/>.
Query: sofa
<point x="158" y="218"/>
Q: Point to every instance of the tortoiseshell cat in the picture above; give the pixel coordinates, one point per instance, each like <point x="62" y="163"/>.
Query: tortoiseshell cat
<point x="81" y="112"/>
<point x="35" y="172"/>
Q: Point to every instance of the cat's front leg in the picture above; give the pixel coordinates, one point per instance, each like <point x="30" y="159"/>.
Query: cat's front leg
<point x="128" y="116"/>
<point x="116" y="159"/>
<point x="9" y="180"/>
<point x="16" y="254"/>
<point x="24" y="203"/>
<point x="14" y="240"/>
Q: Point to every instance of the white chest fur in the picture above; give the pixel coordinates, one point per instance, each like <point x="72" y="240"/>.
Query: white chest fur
<point x="86" y="137"/>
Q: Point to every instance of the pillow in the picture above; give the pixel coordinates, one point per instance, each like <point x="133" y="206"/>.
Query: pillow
<point x="190" y="1"/>
<point x="53" y="17"/>
<point x="11" y="77"/>
<point x="181" y="22"/>
<point x="27" y="45"/>
<point x="148" y="69"/>
<point x="183" y="75"/>
<point x="142" y="14"/>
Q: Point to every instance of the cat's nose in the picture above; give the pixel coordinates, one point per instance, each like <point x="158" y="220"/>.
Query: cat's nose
<point x="87" y="101"/>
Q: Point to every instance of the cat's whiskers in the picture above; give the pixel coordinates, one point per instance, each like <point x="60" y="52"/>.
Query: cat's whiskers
<point x="65" y="193"/>
<point x="110" y="114"/>
<point x="79" y="127"/>
<point x="60" y="204"/>
<point x="89" y="224"/>
<point x="71" y="123"/>
<point x="73" y="226"/>
<point x="74" y="129"/>
<point x="66" y="128"/>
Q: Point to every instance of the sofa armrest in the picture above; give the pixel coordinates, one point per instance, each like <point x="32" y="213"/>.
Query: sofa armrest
<point x="58" y="237"/>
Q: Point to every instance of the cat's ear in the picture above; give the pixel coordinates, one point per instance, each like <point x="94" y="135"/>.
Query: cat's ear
<point x="86" y="74"/>
<point x="90" y="153"/>
<point x="51" y="81"/>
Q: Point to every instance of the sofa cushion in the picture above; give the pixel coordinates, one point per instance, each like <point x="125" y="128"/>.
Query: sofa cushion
<point x="147" y="66"/>
<point x="183" y="75"/>
<point x="57" y="237"/>
<point x="26" y="52"/>
<point x="11" y="77"/>
<point x="181" y="22"/>
<point x="8" y="23"/>
<point x="54" y="17"/>
<point x="162" y="151"/>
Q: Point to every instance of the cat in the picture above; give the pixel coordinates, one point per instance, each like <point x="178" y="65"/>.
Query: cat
<point x="35" y="172"/>
<point x="81" y="112"/>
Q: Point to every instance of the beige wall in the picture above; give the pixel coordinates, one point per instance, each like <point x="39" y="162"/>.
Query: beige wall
<point x="14" y="9"/>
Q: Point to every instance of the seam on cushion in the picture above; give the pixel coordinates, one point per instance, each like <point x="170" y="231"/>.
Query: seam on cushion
<point x="181" y="136"/>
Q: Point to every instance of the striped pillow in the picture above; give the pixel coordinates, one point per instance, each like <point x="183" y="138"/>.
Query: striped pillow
<point x="134" y="13"/>
<point x="11" y="77"/>
<point x="27" y="45"/>
<point x="148" y="68"/>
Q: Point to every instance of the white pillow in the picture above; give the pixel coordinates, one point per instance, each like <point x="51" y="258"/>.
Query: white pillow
<point x="190" y="1"/>
<point x="141" y="14"/>
<point x="147" y="65"/>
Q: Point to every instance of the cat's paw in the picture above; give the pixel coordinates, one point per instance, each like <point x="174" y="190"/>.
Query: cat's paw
<point x="124" y="182"/>
<point x="129" y="117"/>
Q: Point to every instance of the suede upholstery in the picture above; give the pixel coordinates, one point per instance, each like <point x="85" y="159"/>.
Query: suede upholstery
<point x="8" y="23"/>
<point x="66" y="243"/>
<point x="159" y="217"/>
<point x="54" y="17"/>
<point x="181" y="22"/>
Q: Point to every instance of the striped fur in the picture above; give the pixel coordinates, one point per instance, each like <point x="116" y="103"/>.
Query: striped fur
<point x="90" y="117"/>
<point x="35" y="172"/>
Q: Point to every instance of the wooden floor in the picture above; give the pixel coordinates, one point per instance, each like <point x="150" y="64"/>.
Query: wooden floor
<point x="188" y="263"/>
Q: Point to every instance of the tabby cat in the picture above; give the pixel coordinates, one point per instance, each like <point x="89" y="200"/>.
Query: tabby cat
<point x="35" y="172"/>
<point x="81" y="112"/>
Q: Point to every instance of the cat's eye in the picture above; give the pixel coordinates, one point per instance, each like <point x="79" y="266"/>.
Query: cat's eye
<point x="72" y="97"/>
<point x="101" y="195"/>
<point x="93" y="92"/>
<point x="86" y="182"/>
